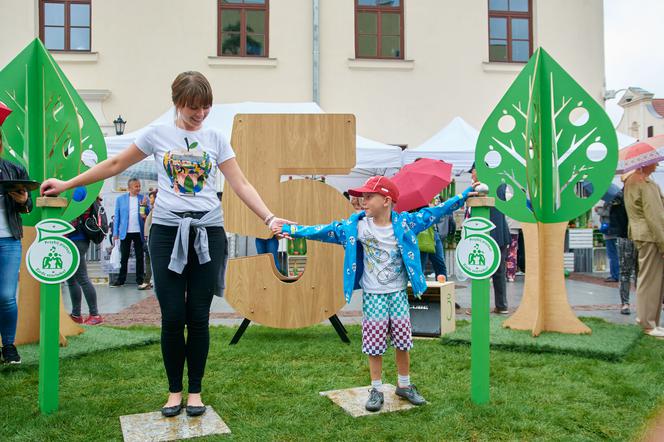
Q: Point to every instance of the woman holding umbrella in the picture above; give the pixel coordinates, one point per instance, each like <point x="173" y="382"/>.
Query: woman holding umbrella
<point x="644" y="203"/>
<point x="12" y="204"/>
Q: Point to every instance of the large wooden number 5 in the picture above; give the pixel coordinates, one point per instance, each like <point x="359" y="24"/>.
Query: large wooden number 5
<point x="267" y="147"/>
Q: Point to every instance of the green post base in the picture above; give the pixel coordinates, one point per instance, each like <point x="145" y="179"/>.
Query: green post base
<point x="479" y="348"/>
<point x="49" y="341"/>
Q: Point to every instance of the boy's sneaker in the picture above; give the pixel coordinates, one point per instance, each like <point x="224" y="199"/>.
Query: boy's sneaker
<point x="10" y="355"/>
<point x="411" y="395"/>
<point x="77" y="319"/>
<point x="375" y="402"/>
<point x="94" y="320"/>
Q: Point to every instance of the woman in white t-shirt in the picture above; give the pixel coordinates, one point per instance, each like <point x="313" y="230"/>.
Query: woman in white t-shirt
<point x="187" y="239"/>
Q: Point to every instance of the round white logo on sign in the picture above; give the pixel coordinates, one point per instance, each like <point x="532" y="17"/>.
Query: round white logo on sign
<point x="477" y="254"/>
<point x="52" y="258"/>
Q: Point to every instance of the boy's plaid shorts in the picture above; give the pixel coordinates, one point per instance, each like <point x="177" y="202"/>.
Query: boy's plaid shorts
<point x="385" y="314"/>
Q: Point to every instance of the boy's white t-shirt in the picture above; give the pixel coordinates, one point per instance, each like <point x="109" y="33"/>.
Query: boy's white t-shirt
<point x="384" y="270"/>
<point x="186" y="165"/>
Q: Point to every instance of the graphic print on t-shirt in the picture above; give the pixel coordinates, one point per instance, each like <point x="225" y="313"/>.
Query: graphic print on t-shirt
<point x="187" y="168"/>
<point x="387" y="266"/>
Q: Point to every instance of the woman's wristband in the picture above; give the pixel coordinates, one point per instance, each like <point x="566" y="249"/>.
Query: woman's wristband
<point x="268" y="219"/>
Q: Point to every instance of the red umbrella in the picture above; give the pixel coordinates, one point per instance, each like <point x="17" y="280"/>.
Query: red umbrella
<point x="420" y="181"/>
<point x="641" y="153"/>
<point x="4" y="112"/>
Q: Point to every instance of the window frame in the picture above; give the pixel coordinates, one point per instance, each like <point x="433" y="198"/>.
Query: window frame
<point x="379" y="10"/>
<point x="67" y="25"/>
<point x="243" y="7"/>
<point x="509" y="15"/>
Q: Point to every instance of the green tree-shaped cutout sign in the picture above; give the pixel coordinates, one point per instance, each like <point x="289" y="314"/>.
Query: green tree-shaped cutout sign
<point x="50" y="132"/>
<point x="545" y="138"/>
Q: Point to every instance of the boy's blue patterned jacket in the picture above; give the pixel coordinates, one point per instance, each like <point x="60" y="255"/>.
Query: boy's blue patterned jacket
<point x="406" y="227"/>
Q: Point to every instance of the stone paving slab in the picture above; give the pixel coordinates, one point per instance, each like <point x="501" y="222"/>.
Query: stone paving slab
<point x="153" y="427"/>
<point x="352" y="400"/>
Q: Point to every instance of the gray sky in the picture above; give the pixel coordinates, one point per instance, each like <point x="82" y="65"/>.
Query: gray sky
<point x="633" y="48"/>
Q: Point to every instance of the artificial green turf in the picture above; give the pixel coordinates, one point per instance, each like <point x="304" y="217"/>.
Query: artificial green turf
<point x="607" y="341"/>
<point x="97" y="338"/>
<point x="266" y="388"/>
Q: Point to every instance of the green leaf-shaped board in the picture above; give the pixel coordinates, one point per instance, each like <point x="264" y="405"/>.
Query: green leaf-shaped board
<point x="545" y="136"/>
<point x="50" y="131"/>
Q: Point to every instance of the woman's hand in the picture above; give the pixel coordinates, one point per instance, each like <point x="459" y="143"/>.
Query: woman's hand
<point x="19" y="196"/>
<point x="276" y="226"/>
<point x="52" y="187"/>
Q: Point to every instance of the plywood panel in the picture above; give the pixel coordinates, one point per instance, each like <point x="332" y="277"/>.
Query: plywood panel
<point x="267" y="147"/>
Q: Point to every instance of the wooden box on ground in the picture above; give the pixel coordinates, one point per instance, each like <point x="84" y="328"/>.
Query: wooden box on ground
<point x="433" y="314"/>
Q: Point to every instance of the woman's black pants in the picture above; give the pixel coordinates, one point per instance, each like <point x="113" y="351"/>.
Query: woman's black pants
<point x="185" y="300"/>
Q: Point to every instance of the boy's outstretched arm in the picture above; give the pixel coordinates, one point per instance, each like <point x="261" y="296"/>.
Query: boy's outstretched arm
<point x="425" y="218"/>
<point x="332" y="232"/>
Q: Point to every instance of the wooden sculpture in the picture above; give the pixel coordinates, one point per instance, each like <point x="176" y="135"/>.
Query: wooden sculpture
<point x="52" y="133"/>
<point x="546" y="138"/>
<point x="267" y="148"/>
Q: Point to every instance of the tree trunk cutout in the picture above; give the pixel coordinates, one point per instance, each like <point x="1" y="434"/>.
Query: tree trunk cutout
<point x="545" y="309"/>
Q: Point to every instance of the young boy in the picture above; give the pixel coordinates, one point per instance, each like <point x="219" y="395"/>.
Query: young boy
<point x="381" y="254"/>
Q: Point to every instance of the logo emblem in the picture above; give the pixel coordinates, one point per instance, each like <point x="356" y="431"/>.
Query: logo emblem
<point x="477" y="254"/>
<point x="52" y="258"/>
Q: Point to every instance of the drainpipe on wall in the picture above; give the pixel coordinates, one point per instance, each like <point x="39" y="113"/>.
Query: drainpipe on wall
<point x="316" y="53"/>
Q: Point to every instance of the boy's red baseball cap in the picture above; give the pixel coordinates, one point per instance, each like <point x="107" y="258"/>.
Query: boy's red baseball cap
<point x="377" y="184"/>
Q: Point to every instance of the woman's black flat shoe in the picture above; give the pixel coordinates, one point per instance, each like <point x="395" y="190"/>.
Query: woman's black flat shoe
<point x="171" y="411"/>
<point x="193" y="410"/>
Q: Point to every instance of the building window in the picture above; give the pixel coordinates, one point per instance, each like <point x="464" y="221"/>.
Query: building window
<point x="510" y="30"/>
<point x="243" y="28"/>
<point x="65" y="25"/>
<point x="651" y="131"/>
<point x="379" y="29"/>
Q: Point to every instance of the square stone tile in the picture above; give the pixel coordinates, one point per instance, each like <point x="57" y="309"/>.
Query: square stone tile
<point x="352" y="400"/>
<point x="154" y="427"/>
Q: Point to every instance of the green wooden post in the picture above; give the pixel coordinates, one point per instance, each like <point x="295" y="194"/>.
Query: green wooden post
<point x="49" y="324"/>
<point x="479" y="349"/>
<point x="49" y="337"/>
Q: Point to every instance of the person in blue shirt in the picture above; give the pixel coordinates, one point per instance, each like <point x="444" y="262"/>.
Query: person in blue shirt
<point x="382" y="256"/>
<point x="131" y="209"/>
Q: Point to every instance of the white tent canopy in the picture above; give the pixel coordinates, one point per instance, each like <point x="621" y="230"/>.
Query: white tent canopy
<point x="455" y="143"/>
<point x="369" y="153"/>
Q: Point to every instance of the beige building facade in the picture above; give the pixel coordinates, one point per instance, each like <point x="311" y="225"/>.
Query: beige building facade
<point x="643" y="114"/>
<point x="440" y="66"/>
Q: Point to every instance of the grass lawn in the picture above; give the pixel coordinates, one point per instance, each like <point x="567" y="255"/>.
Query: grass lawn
<point x="607" y="341"/>
<point x="266" y="388"/>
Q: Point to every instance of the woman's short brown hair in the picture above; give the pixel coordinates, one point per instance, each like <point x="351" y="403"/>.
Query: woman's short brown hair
<point x="191" y="89"/>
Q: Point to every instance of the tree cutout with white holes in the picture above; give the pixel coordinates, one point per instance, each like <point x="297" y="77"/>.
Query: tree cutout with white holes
<point x="546" y="139"/>
<point x="546" y="136"/>
<point x="50" y="131"/>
